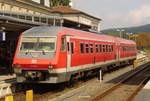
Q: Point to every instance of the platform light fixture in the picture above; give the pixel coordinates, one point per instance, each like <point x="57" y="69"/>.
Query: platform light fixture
<point x="120" y="32"/>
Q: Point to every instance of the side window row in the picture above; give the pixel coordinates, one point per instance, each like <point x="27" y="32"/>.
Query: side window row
<point x="89" y="48"/>
<point x="99" y="48"/>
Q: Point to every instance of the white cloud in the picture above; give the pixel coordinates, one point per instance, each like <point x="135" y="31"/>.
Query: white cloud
<point x="134" y="17"/>
<point x="139" y="15"/>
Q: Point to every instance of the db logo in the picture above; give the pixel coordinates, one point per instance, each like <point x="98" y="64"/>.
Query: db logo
<point x="34" y="61"/>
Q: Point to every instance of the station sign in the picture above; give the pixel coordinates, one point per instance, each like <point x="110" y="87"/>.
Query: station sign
<point x="2" y="36"/>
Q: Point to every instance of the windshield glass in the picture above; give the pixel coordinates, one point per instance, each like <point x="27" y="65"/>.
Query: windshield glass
<point x="30" y="44"/>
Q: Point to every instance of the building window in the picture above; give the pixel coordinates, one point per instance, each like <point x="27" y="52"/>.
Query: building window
<point x="36" y="19"/>
<point x="82" y="48"/>
<point x="96" y="46"/>
<point x="91" y="48"/>
<point x="2" y="6"/>
<point x="22" y="17"/>
<point x="51" y="21"/>
<point x="43" y="20"/>
<point x="103" y="48"/>
<point x="57" y="22"/>
<point x="14" y="15"/>
<point x="63" y="49"/>
<point x="87" y="48"/>
<point x="29" y="18"/>
<point x="72" y="48"/>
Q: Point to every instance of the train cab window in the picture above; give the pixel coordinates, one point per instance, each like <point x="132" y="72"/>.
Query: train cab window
<point x="87" y="48"/>
<point x="96" y="46"/>
<point x="72" y="48"/>
<point x="112" y="48"/>
<point x="91" y="48"/>
<point x="63" y="49"/>
<point x="106" y="48"/>
<point x="82" y="48"/>
<point x="100" y="48"/>
<point x="103" y="48"/>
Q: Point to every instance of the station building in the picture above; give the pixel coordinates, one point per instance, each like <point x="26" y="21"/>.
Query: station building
<point x="17" y="16"/>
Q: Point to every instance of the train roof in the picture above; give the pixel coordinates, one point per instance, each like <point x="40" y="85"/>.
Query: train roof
<point x="54" y="30"/>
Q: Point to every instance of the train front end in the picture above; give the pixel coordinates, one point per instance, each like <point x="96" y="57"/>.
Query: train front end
<point x="35" y="57"/>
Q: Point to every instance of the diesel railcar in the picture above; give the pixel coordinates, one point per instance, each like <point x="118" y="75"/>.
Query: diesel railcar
<point x="47" y="54"/>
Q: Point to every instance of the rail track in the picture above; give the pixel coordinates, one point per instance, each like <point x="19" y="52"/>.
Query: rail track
<point x="52" y="91"/>
<point x="127" y="88"/>
<point x="47" y="91"/>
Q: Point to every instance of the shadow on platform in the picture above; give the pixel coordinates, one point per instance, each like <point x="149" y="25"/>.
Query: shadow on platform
<point x="6" y="70"/>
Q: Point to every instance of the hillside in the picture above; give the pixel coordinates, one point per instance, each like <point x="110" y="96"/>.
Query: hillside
<point x="143" y="28"/>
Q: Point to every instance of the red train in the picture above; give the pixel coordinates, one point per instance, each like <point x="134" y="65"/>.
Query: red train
<point x="57" y="54"/>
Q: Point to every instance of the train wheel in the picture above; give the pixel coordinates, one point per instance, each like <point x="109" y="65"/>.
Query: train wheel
<point x="70" y="83"/>
<point x="85" y="76"/>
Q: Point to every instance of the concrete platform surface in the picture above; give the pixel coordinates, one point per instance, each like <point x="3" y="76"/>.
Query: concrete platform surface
<point x="5" y="77"/>
<point x="144" y="94"/>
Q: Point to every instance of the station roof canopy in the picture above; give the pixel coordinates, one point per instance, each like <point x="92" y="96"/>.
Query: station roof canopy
<point x="67" y="10"/>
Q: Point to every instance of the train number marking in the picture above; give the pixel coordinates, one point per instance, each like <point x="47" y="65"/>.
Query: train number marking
<point x="34" y="61"/>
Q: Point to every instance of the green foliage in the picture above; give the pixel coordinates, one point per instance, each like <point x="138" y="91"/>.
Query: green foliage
<point x="143" y="40"/>
<point x="59" y="2"/>
<point x="113" y="34"/>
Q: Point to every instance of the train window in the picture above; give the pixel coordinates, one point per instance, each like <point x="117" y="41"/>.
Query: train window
<point x="38" y="44"/>
<point x="72" y="48"/>
<point x="68" y="46"/>
<point x="63" y="49"/>
<point x="87" y="47"/>
<point x="96" y="46"/>
<point x="109" y="49"/>
<point x="91" y="48"/>
<point x="106" y="48"/>
<point x="100" y="48"/>
<point x="103" y="48"/>
<point x="82" y="48"/>
<point x="112" y="49"/>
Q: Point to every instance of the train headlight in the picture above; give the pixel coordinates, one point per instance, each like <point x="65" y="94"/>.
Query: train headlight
<point x="50" y="66"/>
<point x="18" y="66"/>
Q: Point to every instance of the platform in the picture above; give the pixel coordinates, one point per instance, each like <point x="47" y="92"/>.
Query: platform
<point x="144" y="94"/>
<point x="6" y="77"/>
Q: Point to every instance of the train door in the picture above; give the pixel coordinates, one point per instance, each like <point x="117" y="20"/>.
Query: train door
<point x="68" y="53"/>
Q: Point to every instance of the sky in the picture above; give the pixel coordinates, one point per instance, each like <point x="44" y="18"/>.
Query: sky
<point x="115" y="13"/>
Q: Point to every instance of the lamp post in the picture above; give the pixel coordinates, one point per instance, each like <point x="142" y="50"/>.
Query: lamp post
<point x="120" y="31"/>
<point x="129" y="35"/>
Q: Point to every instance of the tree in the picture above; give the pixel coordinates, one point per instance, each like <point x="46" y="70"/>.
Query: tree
<point x="59" y="2"/>
<point x="113" y="34"/>
<point x="143" y="40"/>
